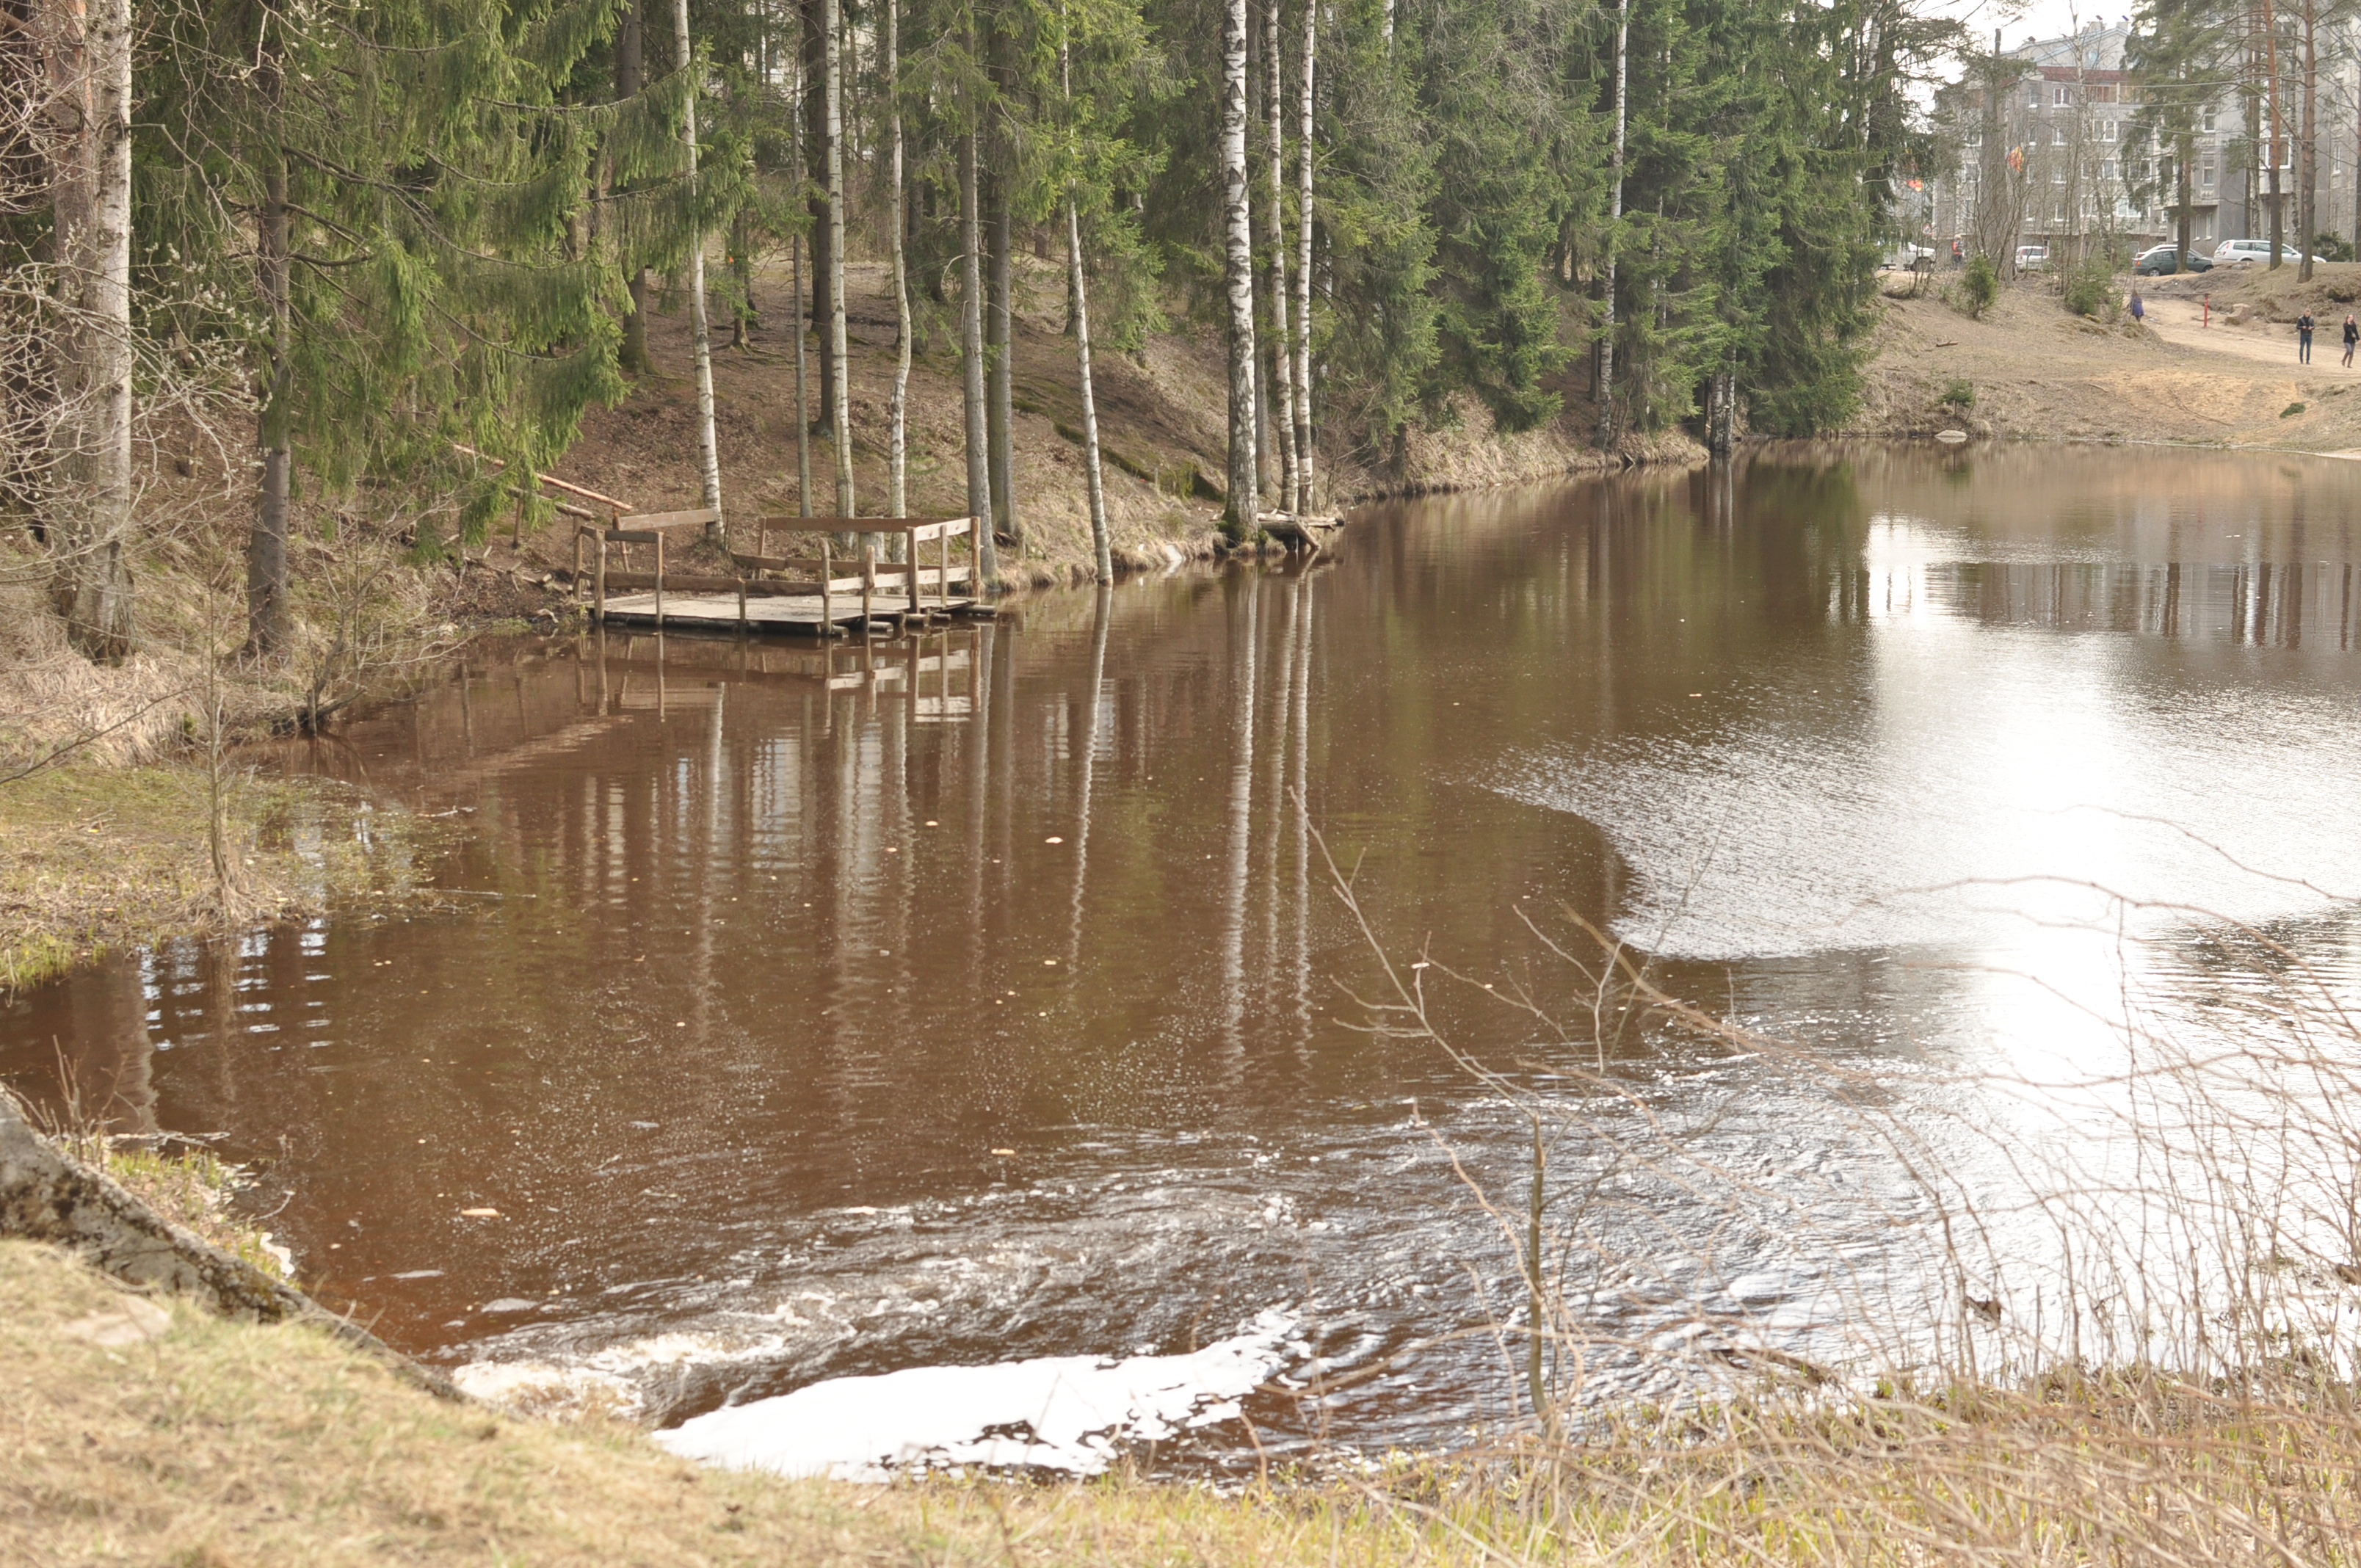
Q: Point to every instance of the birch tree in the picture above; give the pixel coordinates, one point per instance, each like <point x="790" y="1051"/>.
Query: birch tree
<point x="1303" y="356"/>
<point x="897" y="502"/>
<point x="1078" y="297"/>
<point x="839" y="368"/>
<point x="86" y="59"/>
<point x="708" y="447"/>
<point x="1614" y="219"/>
<point x="1283" y="343"/>
<point x="1237" y="271"/>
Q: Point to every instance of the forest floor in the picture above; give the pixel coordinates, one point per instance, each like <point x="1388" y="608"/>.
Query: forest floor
<point x="2030" y="369"/>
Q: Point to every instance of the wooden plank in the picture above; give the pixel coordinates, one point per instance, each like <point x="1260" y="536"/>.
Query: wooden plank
<point x="858" y="524"/>
<point x="552" y="480"/>
<point x="631" y="536"/>
<point x="720" y="612"/>
<point x="756" y="588"/>
<point x="697" y="517"/>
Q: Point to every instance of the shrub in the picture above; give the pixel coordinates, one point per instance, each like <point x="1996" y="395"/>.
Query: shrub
<point x="1979" y="287"/>
<point x="2090" y="289"/>
<point x="2332" y="246"/>
<point x="1960" y="392"/>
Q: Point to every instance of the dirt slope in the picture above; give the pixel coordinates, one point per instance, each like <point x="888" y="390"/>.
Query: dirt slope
<point x="1160" y="419"/>
<point x="2031" y="369"/>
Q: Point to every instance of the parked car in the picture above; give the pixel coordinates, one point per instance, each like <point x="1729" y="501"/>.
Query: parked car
<point x="2159" y="260"/>
<point x="2031" y="257"/>
<point x="2231" y="252"/>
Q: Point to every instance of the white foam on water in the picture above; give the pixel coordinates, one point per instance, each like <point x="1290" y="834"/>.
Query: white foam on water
<point x="1071" y="1413"/>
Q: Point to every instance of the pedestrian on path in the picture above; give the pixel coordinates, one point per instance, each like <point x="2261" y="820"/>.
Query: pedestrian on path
<point x="2352" y="336"/>
<point x="2139" y="307"/>
<point x="2303" y="324"/>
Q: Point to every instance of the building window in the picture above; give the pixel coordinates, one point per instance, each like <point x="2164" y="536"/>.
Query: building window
<point x="2033" y="96"/>
<point x="1975" y="135"/>
<point x="2058" y="136"/>
<point x="2064" y="96"/>
<point x="2057" y="175"/>
<point x="2107" y="169"/>
<point x="2108" y="131"/>
<point x="2206" y="122"/>
<point x="2205" y="174"/>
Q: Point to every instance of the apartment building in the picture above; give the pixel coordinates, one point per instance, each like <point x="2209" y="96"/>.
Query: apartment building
<point x="2061" y="159"/>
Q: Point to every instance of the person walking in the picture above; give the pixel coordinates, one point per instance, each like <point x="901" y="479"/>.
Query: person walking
<point x="2303" y="324"/>
<point x="2139" y="308"/>
<point x="2352" y="336"/>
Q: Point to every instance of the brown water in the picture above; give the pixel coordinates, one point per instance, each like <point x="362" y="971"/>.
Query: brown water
<point x="980" y="996"/>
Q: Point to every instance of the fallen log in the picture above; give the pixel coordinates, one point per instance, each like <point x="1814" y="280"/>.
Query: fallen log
<point x="47" y="1195"/>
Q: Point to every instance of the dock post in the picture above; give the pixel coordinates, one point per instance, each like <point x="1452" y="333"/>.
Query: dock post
<point x="910" y="554"/>
<point x="660" y="580"/>
<point x="577" y="565"/>
<point x="868" y="579"/>
<point x="827" y="577"/>
<point x="599" y="609"/>
<point x="741" y="606"/>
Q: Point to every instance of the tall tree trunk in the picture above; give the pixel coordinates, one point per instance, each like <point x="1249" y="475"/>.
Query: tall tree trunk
<point x="898" y="459"/>
<point x="1102" y="553"/>
<point x="1237" y="269"/>
<point x="267" y="619"/>
<point x="708" y="449"/>
<point x="840" y="366"/>
<point x="2308" y="194"/>
<point x="1282" y="384"/>
<point x="795" y="282"/>
<point x="741" y="274"/>
<point x="86" y="58"/>
<point x="979" y="482"/>
<point x="1302" y="377"/>
<point x="1079" y="319"/>
<point x="2181" y="180"/>
<point x="2277" y="131"/>
<point x="1614" y="222"/>
<point x="631" y="76"/>
<point x="1001" y="355"/>
<point x="803" y="393"/>
<point x="816" y="32"/>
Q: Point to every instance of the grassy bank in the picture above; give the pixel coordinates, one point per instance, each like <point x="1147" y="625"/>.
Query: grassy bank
<point x="96" y="857"/>
<point x="146" y="1431"/>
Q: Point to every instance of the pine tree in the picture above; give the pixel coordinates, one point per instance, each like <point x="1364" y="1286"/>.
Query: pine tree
<point x="414" y="180"/>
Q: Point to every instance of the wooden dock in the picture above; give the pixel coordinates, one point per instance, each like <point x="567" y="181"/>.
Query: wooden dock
<point x="724" y="611"/>
<point x="805" y="584"/>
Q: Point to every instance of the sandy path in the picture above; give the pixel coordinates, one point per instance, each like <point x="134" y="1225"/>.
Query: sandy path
<point x="2180" y="323"/>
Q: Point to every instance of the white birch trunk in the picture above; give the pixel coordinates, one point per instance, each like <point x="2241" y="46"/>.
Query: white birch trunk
<point x="897" y="461"/>
<point x="1283" y="393"/>
<point x="839" y="376"/>
<point x="1239" y="272"/>
<point x="87" y="58"/>
<point x="1302" y="369"/>
<point x="708" y="449"/>
<point x="1102" y="550"/>
<point x="1614" y="222"/>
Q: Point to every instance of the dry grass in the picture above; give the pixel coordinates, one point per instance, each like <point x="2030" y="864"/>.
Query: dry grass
<point x="98" y="858"/>
<point x="225" y="1444"/>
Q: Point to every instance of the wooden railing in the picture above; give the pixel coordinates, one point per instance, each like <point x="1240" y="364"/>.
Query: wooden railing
<point x="768" y="574"/>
